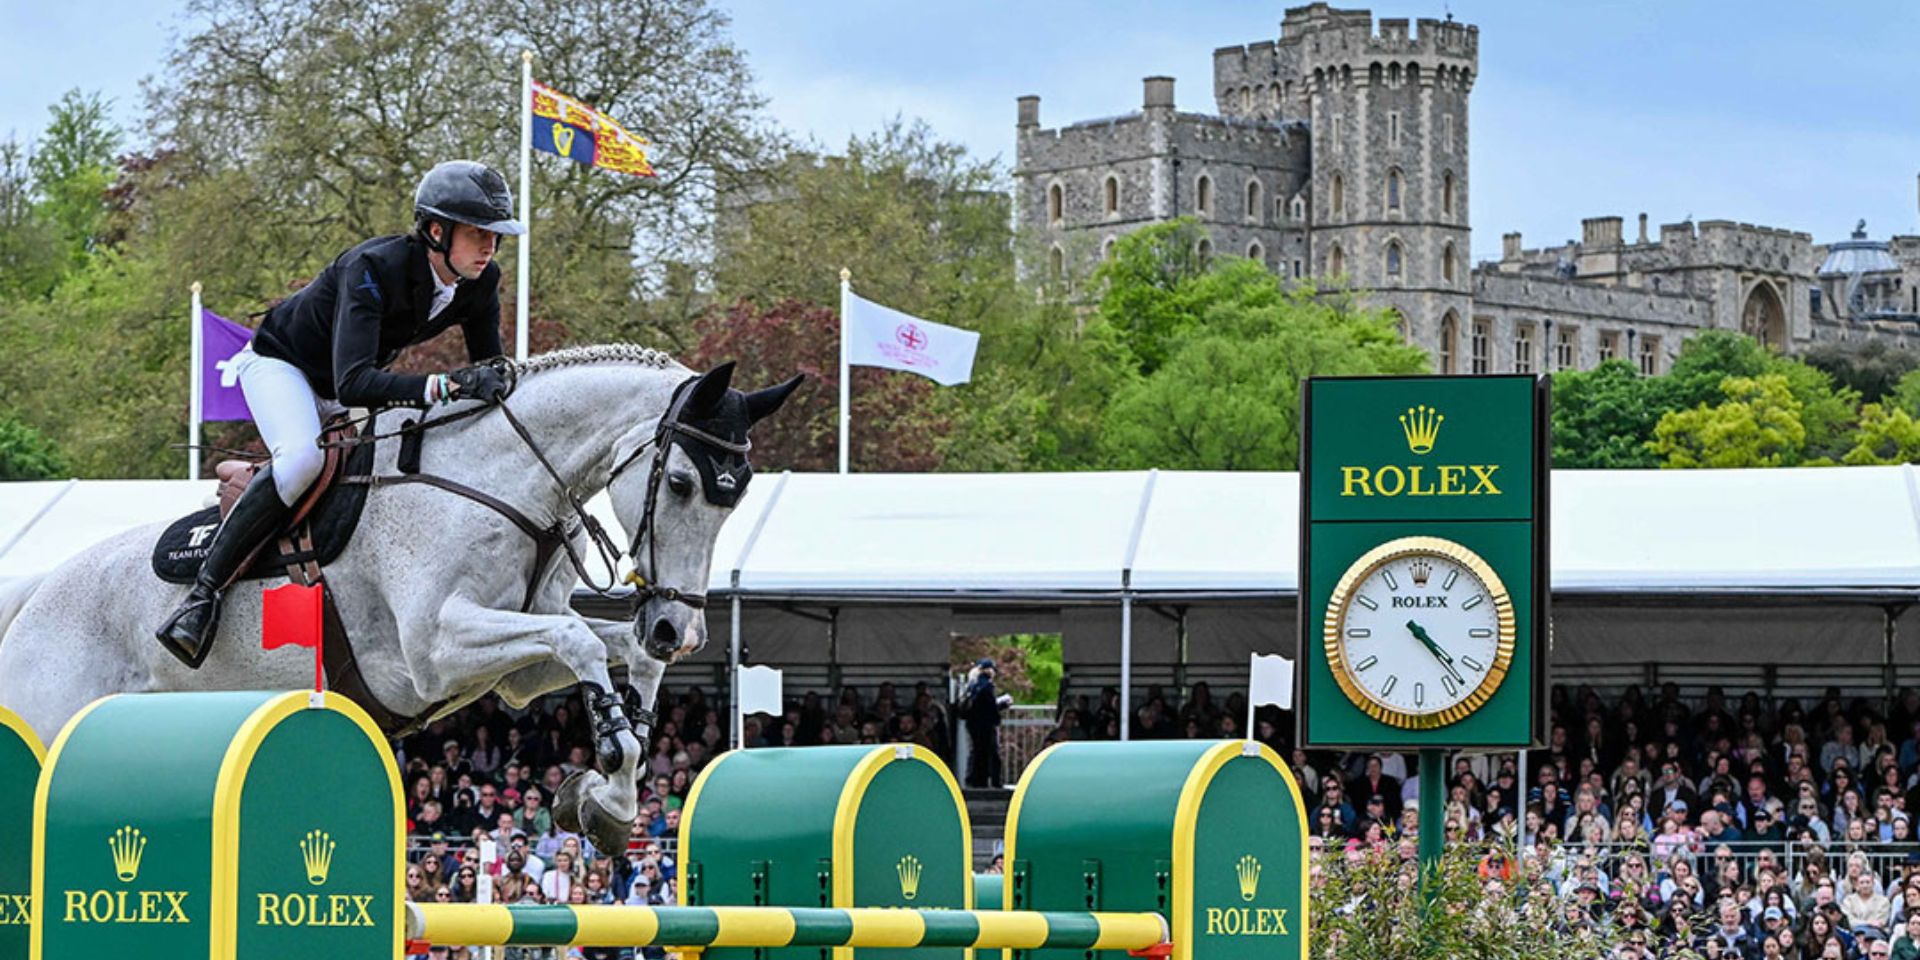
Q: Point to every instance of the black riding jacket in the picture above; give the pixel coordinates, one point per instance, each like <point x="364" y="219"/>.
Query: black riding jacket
<point x="346" y="326"/>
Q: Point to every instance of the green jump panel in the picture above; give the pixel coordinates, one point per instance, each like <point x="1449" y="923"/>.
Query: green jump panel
<point x="1209" y="834"/>
<point x="20" y="757"/>
<point x="842" y="826"/>
<point x="263" y="826"/>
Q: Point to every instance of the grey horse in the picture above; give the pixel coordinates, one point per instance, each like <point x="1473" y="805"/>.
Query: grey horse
<point x="431" y="584"/>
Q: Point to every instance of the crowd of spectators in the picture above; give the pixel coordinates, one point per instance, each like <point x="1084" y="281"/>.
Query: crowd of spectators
<point x="1748" y="829"/>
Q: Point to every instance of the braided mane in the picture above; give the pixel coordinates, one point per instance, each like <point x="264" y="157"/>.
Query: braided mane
<point x="595" y="353"/>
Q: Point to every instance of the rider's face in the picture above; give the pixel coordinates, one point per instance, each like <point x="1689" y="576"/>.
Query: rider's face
<point x="472" y="249"/>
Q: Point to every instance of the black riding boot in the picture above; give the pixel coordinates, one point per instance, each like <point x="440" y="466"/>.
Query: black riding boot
<point x="256" y="515"/>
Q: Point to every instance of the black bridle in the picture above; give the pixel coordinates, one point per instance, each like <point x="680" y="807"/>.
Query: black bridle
<point x="669" y="426"/>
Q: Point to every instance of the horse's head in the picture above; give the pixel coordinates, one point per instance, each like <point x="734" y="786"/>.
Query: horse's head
<point x="677" y="479"/>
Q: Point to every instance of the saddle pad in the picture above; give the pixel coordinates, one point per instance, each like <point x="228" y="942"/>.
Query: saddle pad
<point x="183" y="546"/>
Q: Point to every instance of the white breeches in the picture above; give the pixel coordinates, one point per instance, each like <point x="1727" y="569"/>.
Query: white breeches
<point x="288" y="415"/>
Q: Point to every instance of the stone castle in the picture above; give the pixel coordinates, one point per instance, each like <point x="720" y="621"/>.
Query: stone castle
<point x="1340" y="152"/>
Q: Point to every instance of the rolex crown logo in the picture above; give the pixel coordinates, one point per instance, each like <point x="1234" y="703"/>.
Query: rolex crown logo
<point x="909" y="870"/>
<point x="1249" y="871"/>
<point x="1421" y="425"/>
<point x="128" y="845"/>
<point x="316" y="849"/>
<point x="1421" y="571"/>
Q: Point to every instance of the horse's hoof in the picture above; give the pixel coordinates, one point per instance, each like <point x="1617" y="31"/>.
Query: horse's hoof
<point x="608" y="833"/>
<point x="566" y="803"/>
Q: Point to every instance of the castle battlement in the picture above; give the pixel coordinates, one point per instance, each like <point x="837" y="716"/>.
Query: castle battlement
<point x="1354" y="31"/>
<point x="1612" y="304"/>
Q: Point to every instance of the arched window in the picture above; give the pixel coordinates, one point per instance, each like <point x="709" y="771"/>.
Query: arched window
<point x="1253" y="200"/>
<point x="1204" y="248"/>
<point x="1336" y="262"/>
<point x="1106" y="249"/>
<point x="1446" y="193"/>
<point x="1449" y="337"/>
<point x="1446" y="263"/>
<point x="1203" y="195"/>
<point x="1057" y="262"/>
<point x="1393" y="258"/>
<point x="1256" y="252"/>
<point x="1113" y="194"/>
<point x="1393" y="190"/>
<point x="1056" y="203"/>
<point x="1393" y="75"/>
<point x="1339" y="195"/>
<point x="1299" y="208"/>
<point x="1246" y="99"/>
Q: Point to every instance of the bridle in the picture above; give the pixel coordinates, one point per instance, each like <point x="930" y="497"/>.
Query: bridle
<point x="669" y="425"/>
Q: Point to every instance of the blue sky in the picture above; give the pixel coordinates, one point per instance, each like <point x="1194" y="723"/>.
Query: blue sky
<point x="1790" y="115"/>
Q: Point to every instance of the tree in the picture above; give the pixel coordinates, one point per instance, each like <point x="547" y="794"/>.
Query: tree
<point x="1887" y="434"/>
<point x="72" y="169"/>
<point x="30" y="256"/>
<point x="1870" y="368"/>
<point x="1237" y="344"/>
<point x="896" y="426"/>
<point x="1758" y="425"/>
<point x="1603" y="418"/>
<point x="27" y="455"/>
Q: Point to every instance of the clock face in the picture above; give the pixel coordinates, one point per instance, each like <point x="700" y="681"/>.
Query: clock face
<point x="1419" y="632"/>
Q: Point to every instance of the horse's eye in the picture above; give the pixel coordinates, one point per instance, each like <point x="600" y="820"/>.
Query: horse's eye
<point x="679" y="484"/>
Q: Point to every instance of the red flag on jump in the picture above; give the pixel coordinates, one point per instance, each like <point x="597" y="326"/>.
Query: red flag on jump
<point x="295" y="615"/>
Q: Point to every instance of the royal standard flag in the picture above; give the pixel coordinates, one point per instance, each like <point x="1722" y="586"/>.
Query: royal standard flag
<point x="571" y="129"/>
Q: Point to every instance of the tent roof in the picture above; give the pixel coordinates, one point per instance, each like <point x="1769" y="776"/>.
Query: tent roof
<point x="1067" y="536"/>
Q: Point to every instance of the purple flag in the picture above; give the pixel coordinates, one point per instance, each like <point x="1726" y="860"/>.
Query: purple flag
<point x="220" y="396"/>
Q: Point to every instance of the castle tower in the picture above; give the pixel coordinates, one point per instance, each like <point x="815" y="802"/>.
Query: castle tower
<point x="1388" y="115"/>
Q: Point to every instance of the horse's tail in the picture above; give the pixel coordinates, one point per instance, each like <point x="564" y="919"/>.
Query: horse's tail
<point x="14" y="593"/>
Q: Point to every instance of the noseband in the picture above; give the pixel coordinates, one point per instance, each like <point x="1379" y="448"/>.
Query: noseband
<point x="670" y="425"/>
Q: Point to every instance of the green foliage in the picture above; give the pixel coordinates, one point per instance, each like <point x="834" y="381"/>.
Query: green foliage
<point x="1870" y="368"/>
<point x="72" y="169"/>
<point x="1372" y="904"/>
<point x="1887" y="434"/>
<point x="1757" y="425"/>
<point x="1042" y="654"/>
<point x="26" y="455"/>
<point x="1602" y="418"/>
<point x="1212" y="362"/>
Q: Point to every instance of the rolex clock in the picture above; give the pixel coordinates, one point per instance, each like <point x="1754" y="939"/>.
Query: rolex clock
<point x="1419" y="632"/>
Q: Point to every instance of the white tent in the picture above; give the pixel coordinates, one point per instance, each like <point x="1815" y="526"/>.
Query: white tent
<point x="1798" y="570"/>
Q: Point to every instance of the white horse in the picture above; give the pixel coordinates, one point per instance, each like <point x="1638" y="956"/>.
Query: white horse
<point x="431" y="584"/>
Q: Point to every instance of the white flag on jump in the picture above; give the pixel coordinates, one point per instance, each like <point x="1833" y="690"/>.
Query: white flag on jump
<point x="760" y="691"/>
<point x="880" y="336"/>
<point x="1271" y="681"/>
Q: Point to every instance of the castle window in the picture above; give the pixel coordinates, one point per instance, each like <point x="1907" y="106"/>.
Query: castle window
<point x="1393" y="190"/>
<point x="1112" y="194"/>
<point x="1279" y="99"/>
<point x="1256" y="252"/>
<point x="1482" y="347"/>
<point x="1649" y="356"/>
<point x="1297" y="268"/>
<point x="1204" y="195"/>
<point x="1393" y="125"/>
<point x="1204" y="248"/>
<point x="1336" y="262"/>
<point x="1523" y="348"/>
<point x="1246" y="99"/>
<point x="1057" y="262"/>
<point x="1339" y="195"/>
<point x="1446" y="132"/>
<point x="1056" y="203"/>
<point x="1393" y="259"/>
<point x="1336" y="132"/>
<point x="1299" y="208"/>
<point x="1446" y="263"/>
<point x="1563" y="346"/>
<point x="1609" y="345"/>
<point x="1393" y="75"/>
<point x="1446" y="193"/>
<point x="1253" y="200"/>
<point x="1449" y="341"/>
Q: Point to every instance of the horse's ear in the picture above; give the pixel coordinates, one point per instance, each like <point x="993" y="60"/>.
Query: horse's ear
<point x="761" y="404"/>
<point x="711" y="388"/>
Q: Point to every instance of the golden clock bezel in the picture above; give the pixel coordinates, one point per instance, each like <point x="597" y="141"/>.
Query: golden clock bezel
<point x="1342" y="598"/>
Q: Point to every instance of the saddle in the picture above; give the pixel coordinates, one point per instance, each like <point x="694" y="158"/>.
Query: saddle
<point x="315" y="533"/>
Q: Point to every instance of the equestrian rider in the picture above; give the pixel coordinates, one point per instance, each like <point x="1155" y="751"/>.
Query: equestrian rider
<point x="326" y="348"/>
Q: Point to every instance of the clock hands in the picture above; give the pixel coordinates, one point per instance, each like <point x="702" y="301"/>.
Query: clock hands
<point x="1446" y="659"/>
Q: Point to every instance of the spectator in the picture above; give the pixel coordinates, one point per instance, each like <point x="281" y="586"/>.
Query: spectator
<point x="1868" y="911"/>
<point x="980" y="708"/>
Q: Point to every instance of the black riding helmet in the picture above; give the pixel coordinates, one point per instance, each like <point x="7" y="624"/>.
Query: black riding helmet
<point x="462" y="191"/>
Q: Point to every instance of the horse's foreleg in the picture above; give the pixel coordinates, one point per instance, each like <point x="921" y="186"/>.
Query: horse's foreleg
<point x="476" y="644"/>
<point x="638" y="673"/>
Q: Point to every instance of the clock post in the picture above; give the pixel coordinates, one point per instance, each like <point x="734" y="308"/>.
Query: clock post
<point x="1424" y="588"/>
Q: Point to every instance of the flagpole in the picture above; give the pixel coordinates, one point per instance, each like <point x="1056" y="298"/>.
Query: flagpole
<point x="526" y="204"/>
<point x="193" y="401"/>
<point x="846" y="413"/>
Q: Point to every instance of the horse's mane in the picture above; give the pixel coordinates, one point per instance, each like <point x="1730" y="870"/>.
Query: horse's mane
<point x="595" y="353"/>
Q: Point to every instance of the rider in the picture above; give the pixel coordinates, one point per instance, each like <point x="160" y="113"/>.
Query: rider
<point x="325" y="348"/>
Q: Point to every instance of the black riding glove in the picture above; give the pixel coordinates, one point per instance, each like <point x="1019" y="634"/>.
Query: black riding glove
<point x="483" y="383"/>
